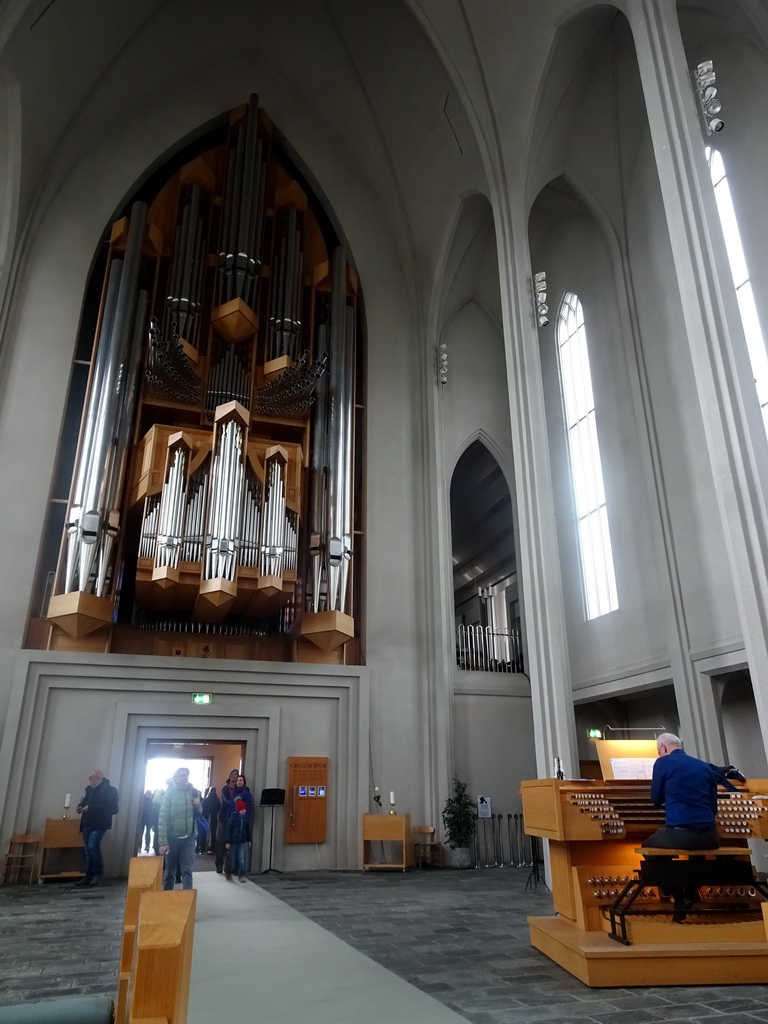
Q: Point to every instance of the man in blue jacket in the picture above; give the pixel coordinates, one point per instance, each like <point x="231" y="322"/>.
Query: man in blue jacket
<point x="687" y="787"/>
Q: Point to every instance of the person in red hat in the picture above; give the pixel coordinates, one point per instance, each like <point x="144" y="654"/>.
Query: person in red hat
<point x="238" y="841"/>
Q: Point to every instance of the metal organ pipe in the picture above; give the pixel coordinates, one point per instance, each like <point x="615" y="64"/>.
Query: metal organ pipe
<point x="183" y="302"/>
<point x="286" y="296"/>
<point x="242" y="221"/>
<point x="222" y="539"/>
<point x="87" y="517"/>
<point x="172" y="504"/>
<point x="197" y="492"/>
<point x="318" y="515"/>
<point x="117" y="454"/>
<point x="273" y="534"/>
<point x="338" y="548"/>
<point x="148" y="539"/>
<point x="252" y="498"/>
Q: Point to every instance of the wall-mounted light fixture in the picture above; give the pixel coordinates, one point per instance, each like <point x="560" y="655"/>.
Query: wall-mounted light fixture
<point x="442" y="363"/>
<point x="706" y="91"/>
<point x="540" y="298"/>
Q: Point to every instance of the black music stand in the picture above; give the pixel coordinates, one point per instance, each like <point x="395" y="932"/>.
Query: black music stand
<point x="272" y="798"/>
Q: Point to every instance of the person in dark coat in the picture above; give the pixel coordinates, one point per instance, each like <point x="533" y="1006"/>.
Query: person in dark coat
<point x="242" y="792"/>
<point x="227" y="806"/>
<point x="238" y="841"/>
<point x="211" y="808"/>
<point x="147" y="821"/>
<point x="98" y="805"/>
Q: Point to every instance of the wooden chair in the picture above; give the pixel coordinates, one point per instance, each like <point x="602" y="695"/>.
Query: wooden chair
<point x="426" y="849"/>
<point x="21" y="857"/>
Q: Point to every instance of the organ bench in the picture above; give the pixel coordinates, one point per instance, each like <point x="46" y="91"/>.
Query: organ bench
<point x="602" y="889"/>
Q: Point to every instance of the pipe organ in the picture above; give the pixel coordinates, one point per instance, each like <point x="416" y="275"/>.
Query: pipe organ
<point x="215" y="478"/>
<point x="595" y="830"/>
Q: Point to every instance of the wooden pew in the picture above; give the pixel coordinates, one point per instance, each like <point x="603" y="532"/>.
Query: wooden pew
<point x="145" y="874"/>
<point x="162" y="964"/>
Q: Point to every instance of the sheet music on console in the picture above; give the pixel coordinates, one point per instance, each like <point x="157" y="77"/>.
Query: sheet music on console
<point x="632" y="767"/>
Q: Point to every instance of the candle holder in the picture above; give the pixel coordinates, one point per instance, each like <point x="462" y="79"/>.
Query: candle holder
<point x="392" y="809"/>
<point x="65" y="815"/>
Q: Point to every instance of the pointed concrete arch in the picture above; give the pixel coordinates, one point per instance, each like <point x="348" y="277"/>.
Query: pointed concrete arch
<point x="500" y="458"/>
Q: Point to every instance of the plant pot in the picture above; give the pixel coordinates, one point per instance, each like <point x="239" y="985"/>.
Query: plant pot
<point x="457" y="857"/>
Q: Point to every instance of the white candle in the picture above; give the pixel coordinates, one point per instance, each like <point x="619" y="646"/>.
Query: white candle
<point x="67" y="801"/>
<point x="392" y="796"/>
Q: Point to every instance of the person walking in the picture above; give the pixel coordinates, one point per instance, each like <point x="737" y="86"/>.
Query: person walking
<point x="147" y="821"/>
<point x="242" y="792"/>
<point x="177" y="827"/>
<point x="211" y="808"/>
<point x="226" y="808"/>
<point x="238" y="840"/>
<point x="96" y="809"/>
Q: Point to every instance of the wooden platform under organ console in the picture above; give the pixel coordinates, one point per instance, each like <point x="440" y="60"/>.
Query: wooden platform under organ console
<point x="595" y="830"/>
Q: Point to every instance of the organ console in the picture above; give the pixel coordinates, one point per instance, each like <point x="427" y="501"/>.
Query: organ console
<point x="614" y="925"/>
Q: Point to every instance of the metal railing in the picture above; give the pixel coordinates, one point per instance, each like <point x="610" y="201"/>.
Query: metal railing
<point x="482" y="649"/>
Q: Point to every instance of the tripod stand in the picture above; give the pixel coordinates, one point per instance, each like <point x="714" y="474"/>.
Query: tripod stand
<point x="272" y="798"/>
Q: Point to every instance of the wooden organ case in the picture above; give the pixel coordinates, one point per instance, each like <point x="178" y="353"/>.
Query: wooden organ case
<point x="214" y="507"/>
<point x="594" y="830"/>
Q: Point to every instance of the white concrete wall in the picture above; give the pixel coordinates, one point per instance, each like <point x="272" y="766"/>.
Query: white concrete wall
<point x="72" y="713"/>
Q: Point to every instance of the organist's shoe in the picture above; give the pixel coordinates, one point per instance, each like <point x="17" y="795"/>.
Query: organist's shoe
<point x="681" y="909"/>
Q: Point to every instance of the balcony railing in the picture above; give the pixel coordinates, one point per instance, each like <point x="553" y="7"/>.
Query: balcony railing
<point x="482" y="649"/>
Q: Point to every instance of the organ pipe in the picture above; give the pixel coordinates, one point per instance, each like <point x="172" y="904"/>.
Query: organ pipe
<point x="172" y="507"/>
<point x="242" y="221"/>
<point x="91" y="527"/>
<point x="222" y="538"/>
<point x="286" y="293"/>
<point x="338" y="544"/>
<point x="185" y="279"/>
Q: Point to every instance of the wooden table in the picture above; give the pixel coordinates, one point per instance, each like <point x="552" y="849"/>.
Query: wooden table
<point x="62" y="849"/>
<point x="388" y="828"/>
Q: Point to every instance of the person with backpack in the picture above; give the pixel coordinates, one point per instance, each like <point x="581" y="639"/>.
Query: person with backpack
<point x="177" y="826"/>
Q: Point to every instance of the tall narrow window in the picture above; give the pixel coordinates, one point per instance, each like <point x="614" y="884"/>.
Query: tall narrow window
<point x="749" y="319"/>
<point x="597" y="569"/>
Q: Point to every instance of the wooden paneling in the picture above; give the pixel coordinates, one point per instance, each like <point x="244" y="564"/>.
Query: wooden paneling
<point x="306" y="811"/>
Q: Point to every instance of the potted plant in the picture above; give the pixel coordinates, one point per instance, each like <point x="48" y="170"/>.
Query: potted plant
<point x="459" y="825"/>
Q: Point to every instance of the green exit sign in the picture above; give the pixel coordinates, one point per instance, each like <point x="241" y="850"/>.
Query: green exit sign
<point x="595" y="734"/>
<point x="201" y="698"/>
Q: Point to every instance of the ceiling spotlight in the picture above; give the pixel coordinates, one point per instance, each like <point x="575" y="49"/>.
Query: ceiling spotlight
<point x="540" y="298"/>
<point x="706" y="91"/>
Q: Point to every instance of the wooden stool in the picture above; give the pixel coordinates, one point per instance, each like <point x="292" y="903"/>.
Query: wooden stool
<point x="22" y="856"/>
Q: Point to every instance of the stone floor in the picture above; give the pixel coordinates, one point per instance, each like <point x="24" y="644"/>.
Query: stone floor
<point x="461" y="937"/>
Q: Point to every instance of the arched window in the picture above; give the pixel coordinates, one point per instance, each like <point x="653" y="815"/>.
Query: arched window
<point x="740" y="272"/>
<point x="597" y="571"/>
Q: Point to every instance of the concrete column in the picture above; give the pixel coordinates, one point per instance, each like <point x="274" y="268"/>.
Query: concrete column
<point x="537" y="550"/>
<point x="711" y="327"/>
